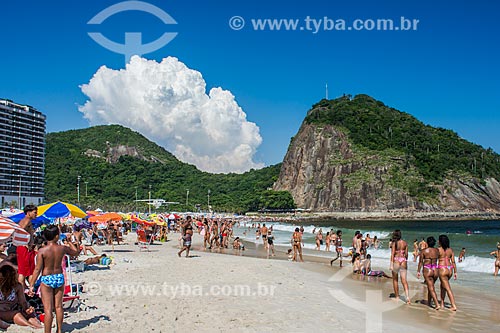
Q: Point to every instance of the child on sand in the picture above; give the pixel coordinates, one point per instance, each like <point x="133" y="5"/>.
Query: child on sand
<point x="356" y="263"/>
<point x="49" y="263"/>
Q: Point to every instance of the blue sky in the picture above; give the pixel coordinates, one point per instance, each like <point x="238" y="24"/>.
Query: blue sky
<point x="446" y="73"/>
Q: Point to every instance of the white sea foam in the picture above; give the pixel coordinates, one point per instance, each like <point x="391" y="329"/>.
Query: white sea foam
<point x="476" y="264"/>
<point x="380" y="257"/>
<point x="379" y="234"/>
<point x="290" y="227"/>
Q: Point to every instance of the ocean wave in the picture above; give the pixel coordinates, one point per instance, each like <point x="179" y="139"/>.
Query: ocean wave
<point x="381" y="256"/>
<point x="476" y="264"/>
<point x="379" y="234"/>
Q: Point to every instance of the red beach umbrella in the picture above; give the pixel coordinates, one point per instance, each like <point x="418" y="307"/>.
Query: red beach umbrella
<point x="12" y="231"/>
<point x="143" y="222"/>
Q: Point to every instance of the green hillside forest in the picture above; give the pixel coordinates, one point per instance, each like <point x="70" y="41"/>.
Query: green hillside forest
<point x="435" y="152"/>
<point x="116" y="185"/>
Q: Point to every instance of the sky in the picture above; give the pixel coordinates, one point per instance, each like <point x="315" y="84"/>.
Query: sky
<point x="228" y="97"/>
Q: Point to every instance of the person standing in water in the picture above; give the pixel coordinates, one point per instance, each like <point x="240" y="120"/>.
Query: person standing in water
<point x="461" y="256"/>
<point x="428" y="262"/>
<point x="415" y="250"/>
<point x="496" y="253"/>
<point x="270" y="243"/>
<point x="447" y="268"/>
<point x="297" y="245"/>
<point x="399" y="263"/>
<point x="338" y="248"/>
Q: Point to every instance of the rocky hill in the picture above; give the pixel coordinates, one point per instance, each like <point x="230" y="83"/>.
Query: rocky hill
<point x="356" y="154"/>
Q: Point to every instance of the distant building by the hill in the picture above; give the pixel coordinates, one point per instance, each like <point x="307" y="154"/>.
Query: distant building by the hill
<point x="22" y="154"/>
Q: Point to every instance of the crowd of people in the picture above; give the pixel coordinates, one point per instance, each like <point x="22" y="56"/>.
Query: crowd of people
<point x="436" y="259"/>
<point x="38" y="264"/>
<point x="37" y="269"/>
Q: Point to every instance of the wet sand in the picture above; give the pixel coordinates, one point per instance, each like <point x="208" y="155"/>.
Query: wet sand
<point x="475" y="312"/>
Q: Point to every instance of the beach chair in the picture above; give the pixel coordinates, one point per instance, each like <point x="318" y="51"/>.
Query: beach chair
<point x="71" y="298"/>
<point x="142" y="240"/>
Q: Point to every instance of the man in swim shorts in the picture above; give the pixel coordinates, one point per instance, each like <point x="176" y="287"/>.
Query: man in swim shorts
<point x="26" y="254"/>
<point x="49" y="263"/>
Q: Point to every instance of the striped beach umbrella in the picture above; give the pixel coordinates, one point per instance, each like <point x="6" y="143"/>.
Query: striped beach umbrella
<point x="12" y="231"/>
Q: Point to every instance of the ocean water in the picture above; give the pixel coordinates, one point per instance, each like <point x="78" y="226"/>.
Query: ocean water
<point x="478" y="237"/>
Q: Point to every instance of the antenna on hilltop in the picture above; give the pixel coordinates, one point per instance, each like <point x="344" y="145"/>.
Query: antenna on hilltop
<point x="326" y="88"/>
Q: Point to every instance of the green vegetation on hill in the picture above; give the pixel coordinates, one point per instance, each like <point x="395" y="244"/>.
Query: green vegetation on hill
<point x="113" y="186"/>
<point x="435" y="152"/>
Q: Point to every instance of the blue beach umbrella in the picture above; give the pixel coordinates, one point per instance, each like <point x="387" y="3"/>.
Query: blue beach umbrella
<point x="48" y="213"/>
<point x="83" y="224"/>
<point x="60" y="209"/>
<point x="36" y="222"/>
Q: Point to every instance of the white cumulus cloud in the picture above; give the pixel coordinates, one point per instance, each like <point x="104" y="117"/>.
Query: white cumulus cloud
<point x="168" y="103"/>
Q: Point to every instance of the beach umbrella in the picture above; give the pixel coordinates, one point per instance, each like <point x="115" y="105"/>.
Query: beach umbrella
<point x="173" y="216"/>
<point x="125" y="216"/>
<point x="142" y="221"/>
<point x="106" y="217"/>
<point x="9" y="230"/>
<point x="8" y="212"/>
<point x="36" y="222"/>
<point x="93" y="213"/>
<point x="83" y="224"/>
<point x="60" y="209"/>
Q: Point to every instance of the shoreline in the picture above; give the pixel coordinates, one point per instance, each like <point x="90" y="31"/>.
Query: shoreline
<point x="399" y="215"/>
<point x="480" y="310"/>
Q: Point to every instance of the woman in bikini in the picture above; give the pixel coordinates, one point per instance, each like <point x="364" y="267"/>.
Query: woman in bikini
<point x="428" y="262"/>
<point x="338" y="248"/>
<point x="399" y="263"/>
<point x="297" y="244"/>
<point x="447" y="268"/>
<point x="206" y="236"/>
<point x="496" y="253"/>
<point x="327" y="241"/>
<point x="319" y="239"/>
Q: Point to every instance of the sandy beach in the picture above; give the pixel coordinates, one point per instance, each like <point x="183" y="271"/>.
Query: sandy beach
<point x="157" y="291"/>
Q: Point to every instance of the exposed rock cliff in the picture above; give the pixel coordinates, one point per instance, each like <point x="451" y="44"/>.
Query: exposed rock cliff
<point x="113" y="153"/>
<point x="325" y="171"/>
